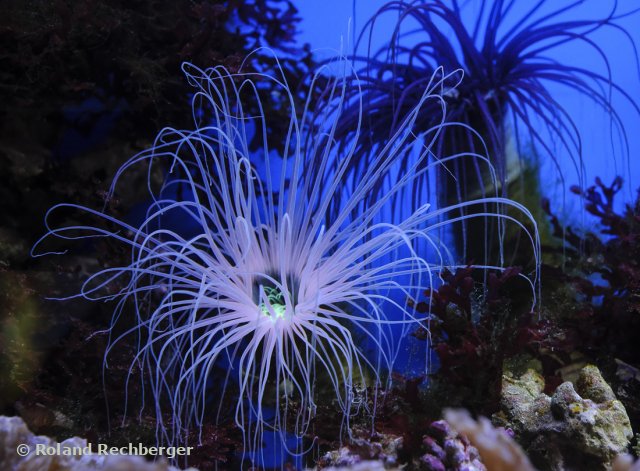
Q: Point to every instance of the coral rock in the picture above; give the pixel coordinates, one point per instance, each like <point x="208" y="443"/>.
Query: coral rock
<point x="592" y="385"/>
<point x="584" y="427"/>
<point x="379" y="452"/>
<point x="448" y="451"/>
<point x="360" y="466"/>
<point x="523" y="400"/>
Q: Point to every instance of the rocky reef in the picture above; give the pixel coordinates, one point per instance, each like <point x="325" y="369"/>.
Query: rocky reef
<point x="582" y="426"/>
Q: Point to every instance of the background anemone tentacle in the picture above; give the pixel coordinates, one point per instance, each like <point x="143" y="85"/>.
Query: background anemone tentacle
<point x="508" y="65"/>
<point x="508" y="52"/>
<point x="281" y="265"/>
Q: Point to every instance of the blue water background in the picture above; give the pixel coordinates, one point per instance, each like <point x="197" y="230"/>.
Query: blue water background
<point x="329" y="26"/>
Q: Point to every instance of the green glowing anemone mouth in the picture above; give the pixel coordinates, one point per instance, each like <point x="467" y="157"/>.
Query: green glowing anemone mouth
<point x="276" y="302"/>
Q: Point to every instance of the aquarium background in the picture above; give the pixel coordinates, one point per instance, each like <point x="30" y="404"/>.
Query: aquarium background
<point x="86" y="85"/>
<point x="344" y="19"/>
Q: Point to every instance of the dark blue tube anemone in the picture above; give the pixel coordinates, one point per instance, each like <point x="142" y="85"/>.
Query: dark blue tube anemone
<point x="508" y="93"/>
<point x="289" y="266"/>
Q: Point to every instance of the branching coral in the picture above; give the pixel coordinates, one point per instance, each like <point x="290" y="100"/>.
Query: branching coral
<point x="282" y="268"/>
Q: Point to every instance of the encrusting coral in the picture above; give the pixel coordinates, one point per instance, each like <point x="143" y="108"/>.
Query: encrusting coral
<point x="448" y="450"/>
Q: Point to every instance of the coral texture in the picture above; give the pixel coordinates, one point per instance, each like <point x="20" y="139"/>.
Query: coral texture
<point x="447" y="450"/>
<point x="578" y="427"/>
<point x="378" y="452"/>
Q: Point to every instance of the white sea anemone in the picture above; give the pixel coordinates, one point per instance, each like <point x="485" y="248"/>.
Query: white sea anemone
<point x="283" y="267"/>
